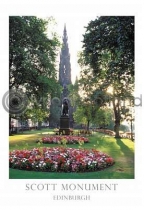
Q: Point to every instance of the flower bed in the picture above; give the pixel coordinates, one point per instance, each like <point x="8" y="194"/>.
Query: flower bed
<point x="59" y="159"/>
<point x="64" y="139"/>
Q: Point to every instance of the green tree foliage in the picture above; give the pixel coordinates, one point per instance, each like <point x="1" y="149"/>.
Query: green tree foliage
<point x="85" y="112"/>
<point x="74" y="96"/>
<point x="92" y="97"/>
<point x="79" y="116"/>
<point x="103" y="117"/>
<point x="36" y="115"/>
<point x="108" y="49"/>
<point x="55" y="112"/>
<point x="33" y="51"/>
<point x="110" y="38"/>
<point x="32" y="55"/>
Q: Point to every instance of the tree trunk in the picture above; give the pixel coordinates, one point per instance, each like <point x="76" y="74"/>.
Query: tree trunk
<point x="117" y="118"/>
<point x="88" y="122"/>
<point x="39" y="125"/>
<point x="116" y="128"/>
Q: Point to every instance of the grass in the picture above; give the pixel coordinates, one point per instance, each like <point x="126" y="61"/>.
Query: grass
<point x="122" y="150"/>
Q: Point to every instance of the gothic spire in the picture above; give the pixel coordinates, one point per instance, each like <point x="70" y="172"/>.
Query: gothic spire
<point x="65" y="66"/>
<point x="65" y="27"/>
<point x="65" y="38"/>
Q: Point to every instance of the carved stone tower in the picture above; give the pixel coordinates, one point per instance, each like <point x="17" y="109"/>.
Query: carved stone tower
<point x="65" y="73"/>
<point x="65" y="66"/>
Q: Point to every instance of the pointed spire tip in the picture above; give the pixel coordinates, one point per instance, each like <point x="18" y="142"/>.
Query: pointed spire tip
<point x="65" y="27"/>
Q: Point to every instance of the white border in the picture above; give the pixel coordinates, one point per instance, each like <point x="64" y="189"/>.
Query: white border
<point x="129" y="192"/>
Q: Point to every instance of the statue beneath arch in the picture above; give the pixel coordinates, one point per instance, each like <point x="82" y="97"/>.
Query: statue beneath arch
<point x="64" y="119"/>
<point x="65" y="107"/>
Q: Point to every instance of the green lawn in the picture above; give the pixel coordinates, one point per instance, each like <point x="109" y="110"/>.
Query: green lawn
<point x="122" y="150"/>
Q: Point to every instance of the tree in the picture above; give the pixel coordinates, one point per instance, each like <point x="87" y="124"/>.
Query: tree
<point x="36" y="114"/>
<point x="108" y="49"/>
<point x="74" y="96"/>
<point x="110" y="37"/>
<point x="32" y="55"/>
<point x="55" y="112"/>
<point x="85" y="112"/>
<point x="79" y="116"/>
<point x="33" y="51"/>
<point x="103" y="117"/>
<point x="93" y="95"/>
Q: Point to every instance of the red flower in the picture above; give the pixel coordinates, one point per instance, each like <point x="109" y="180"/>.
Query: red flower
<point x="63" y="159"/>
<point x="109" y="160"/>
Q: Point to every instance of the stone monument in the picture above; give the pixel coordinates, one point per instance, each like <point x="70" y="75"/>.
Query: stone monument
<point x="64" y="119"/>
<point x="65" y="73"/>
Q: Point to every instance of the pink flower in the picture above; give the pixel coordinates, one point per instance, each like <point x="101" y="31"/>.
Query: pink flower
<point x="109" y="160"/>
<point x="70" y="139"/>
<point x="59" y="159"/>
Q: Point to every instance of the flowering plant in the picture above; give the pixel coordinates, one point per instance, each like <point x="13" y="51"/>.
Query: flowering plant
<point x="68" y="139"/>
<point x="59" y="159"/>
